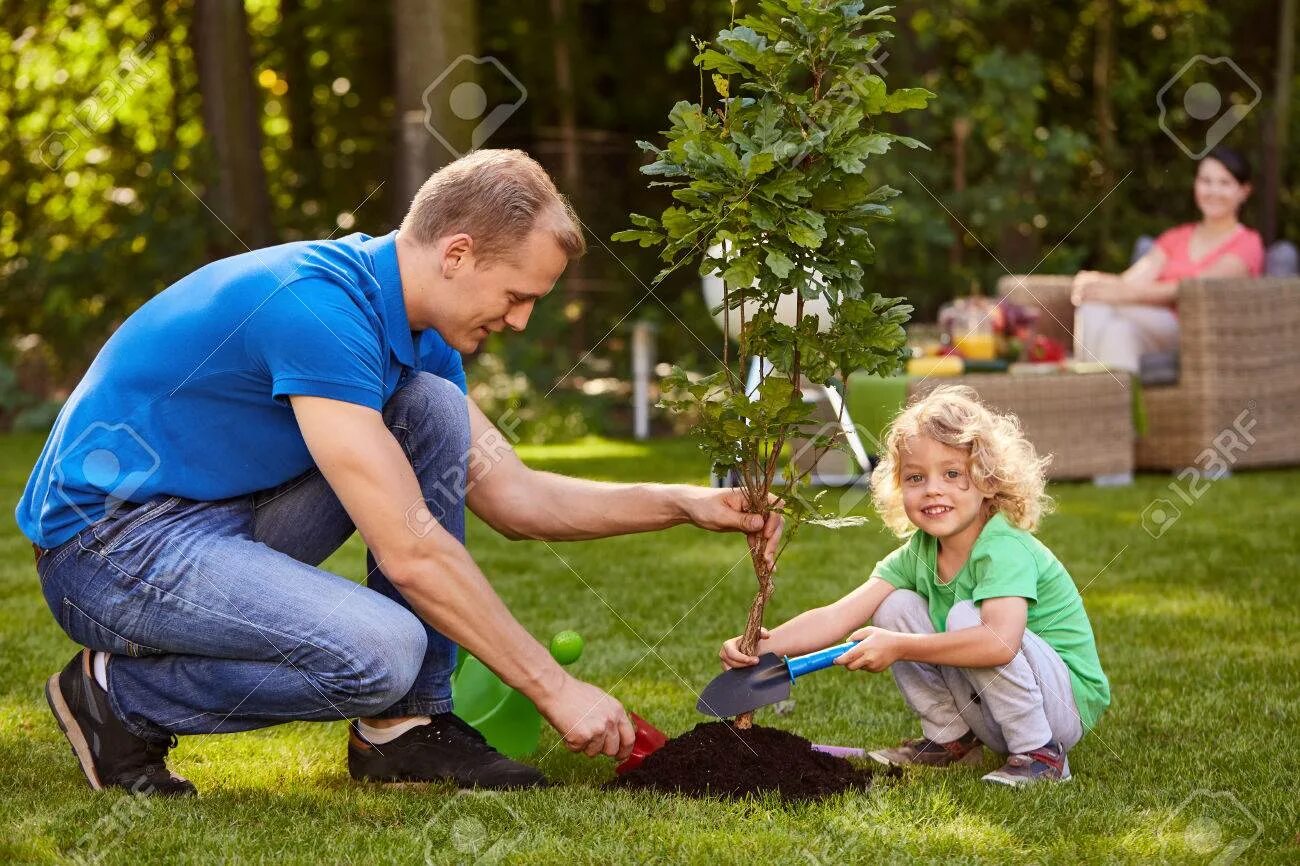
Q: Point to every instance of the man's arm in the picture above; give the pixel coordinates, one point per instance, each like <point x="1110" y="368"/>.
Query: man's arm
<point x="520" y="502"/>
<point x="369" y="472"/>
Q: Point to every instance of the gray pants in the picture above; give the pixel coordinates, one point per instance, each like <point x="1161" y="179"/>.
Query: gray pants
<point x="1013" y="708"/>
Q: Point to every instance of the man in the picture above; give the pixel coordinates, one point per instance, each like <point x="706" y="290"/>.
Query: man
<point x="237" y="429"/>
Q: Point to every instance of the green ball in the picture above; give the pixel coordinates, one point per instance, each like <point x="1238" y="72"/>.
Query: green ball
<point x="566" y="647"/>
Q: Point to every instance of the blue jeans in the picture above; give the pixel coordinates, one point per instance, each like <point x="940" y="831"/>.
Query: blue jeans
<point x="219" y="620"/>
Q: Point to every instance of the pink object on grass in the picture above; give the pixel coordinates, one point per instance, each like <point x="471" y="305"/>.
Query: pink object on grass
<point x="841" y="751"/>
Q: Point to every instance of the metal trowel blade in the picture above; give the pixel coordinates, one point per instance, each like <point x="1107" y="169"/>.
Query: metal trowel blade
<point x="743" y="689"/>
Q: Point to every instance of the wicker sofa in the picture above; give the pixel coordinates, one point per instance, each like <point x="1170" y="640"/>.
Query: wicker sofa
<point x="1239" y="353"/>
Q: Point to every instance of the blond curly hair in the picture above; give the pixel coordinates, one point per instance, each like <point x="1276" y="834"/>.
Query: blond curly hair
<point x="1002" y="460"/>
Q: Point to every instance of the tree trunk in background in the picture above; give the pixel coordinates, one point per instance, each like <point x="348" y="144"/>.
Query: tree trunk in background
<point x="231" y="109"/>
<point x="961" y="129"/>
<point x="302" y="125"/>
<point x="161" y="17"/>
<point x="570" y="158"/>
<point x="1103" y="65"/>
<point x="429" y="36"/>
<point x="1275" y="140"/>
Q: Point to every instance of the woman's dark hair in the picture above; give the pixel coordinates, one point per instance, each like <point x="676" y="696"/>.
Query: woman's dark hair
<point x="1233" y="161"/>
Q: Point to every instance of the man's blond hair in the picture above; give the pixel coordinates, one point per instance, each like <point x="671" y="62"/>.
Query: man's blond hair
<point x="497" y="197"/>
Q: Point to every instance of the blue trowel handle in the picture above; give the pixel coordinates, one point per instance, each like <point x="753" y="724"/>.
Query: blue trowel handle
<point x="800" y="665"/>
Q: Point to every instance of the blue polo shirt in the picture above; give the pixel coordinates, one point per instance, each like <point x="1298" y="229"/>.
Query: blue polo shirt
<point x="189" y="396"/>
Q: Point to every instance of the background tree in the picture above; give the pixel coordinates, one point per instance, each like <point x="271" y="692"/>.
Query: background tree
<point x="1019" y="156"/>
<point x="230" y="116"/>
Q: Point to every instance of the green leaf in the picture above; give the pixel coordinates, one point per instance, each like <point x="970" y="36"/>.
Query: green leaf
<point x="805" y="236"/>
<point x="779" y="263"/>
<point x="644" y="238"/>
<point x="677" y="222"/>
<point x="907" y="98"/>
<point x="719" y="62"/>
<point x="755" y="164"/>
<point x="911" y="142"/>
<point x="742" y="271"/>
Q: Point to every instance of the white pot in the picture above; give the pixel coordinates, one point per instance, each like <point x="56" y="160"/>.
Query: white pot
<point x="786" y="308"/>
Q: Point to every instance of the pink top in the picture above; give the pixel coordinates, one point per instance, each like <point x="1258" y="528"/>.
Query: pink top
<point x="1244" y="243"/>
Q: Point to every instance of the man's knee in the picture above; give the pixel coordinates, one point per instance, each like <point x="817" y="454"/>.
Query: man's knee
<point x="388" y="656"/>
<point x="430" y="399"/>
<point x="964" y="614"/>
<point x="901" y="610"/>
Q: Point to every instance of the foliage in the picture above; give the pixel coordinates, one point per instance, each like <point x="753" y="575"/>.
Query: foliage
<point x="508" y="397"/>
<point x="771" y="191"/>
<point x="771" y="182"/>
<point x="85" y="241"/>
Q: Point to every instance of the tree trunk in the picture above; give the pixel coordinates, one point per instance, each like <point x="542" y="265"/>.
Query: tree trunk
<point x="430" y="37"/>
<point x="570" y="157"/>
<point x="1275" y="141"/>
<point x="961" y="129"/>
<point x="1103" y="63"/>
<point x="230" y="117"/>
<point x="162" y="17"/>
<point x="298" y="99"/>
<point x="754" y="625"/>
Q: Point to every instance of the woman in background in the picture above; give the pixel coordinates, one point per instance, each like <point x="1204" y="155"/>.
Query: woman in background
<point x="1120" y="317"/>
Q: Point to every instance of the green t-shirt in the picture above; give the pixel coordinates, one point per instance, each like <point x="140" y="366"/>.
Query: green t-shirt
<point x="1006" y="561"/>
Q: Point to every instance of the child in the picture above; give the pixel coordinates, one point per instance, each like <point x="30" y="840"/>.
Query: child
<point x="984" y="629"/>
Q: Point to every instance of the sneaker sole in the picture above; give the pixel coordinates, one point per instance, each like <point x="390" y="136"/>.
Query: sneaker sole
<point x="994" y="779"/>
<point x="1021" y="783"/>
<point x="972" y="758"/>
<point x="68" y="724"/>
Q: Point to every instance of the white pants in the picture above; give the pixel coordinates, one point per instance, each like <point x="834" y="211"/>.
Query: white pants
<point x="1118" y="334"/>
<point x="1013" y="708"/>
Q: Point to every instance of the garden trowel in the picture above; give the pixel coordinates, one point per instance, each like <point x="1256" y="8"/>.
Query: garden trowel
<point x="740" y="690"/>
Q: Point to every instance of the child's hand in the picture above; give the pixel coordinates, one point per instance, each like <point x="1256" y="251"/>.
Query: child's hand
<point x="877" y="649"/>
<point x="731" y="655"/>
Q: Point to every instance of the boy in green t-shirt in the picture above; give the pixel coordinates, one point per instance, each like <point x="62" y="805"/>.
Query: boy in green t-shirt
<point x="983" y="627"/>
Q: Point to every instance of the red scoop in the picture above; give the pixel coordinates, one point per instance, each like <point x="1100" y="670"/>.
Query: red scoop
<point x="649" y="740"/>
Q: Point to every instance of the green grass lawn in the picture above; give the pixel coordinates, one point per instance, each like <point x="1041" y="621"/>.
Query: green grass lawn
<point x="1197" y="631"/>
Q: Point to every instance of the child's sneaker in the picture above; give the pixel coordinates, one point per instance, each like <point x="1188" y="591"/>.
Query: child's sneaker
<point x="1046" y="764"/>
<point x="922" y="750"/>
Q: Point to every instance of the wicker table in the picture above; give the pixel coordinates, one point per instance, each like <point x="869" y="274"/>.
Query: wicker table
<point x="1084" y="420"/>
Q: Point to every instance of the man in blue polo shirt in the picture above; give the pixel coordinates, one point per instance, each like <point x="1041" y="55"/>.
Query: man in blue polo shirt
<point x="242" y="424"/>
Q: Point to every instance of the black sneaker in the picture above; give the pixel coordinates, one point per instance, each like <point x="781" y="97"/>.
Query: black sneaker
<point x="109" y="754"/>
<point x="447" y="749"/>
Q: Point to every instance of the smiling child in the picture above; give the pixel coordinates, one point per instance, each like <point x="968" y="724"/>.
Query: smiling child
<point x="983" y="627"/>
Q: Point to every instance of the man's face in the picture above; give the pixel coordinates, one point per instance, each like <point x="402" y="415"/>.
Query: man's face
<point x="490" y="298"/>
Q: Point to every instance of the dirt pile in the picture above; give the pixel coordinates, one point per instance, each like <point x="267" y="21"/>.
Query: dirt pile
<point x="716" y="759"/>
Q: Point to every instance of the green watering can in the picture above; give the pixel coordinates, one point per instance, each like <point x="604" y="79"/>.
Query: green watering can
<point x="507" y="720"/>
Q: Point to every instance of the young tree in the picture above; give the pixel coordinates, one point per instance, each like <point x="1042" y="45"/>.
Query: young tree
<point x="771" y="190"/>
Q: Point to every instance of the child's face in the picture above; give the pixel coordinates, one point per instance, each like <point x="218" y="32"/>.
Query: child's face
<point x="938" y="494"/>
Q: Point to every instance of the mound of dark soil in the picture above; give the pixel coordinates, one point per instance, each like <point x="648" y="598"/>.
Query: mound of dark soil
<point x="716" y="759"/>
